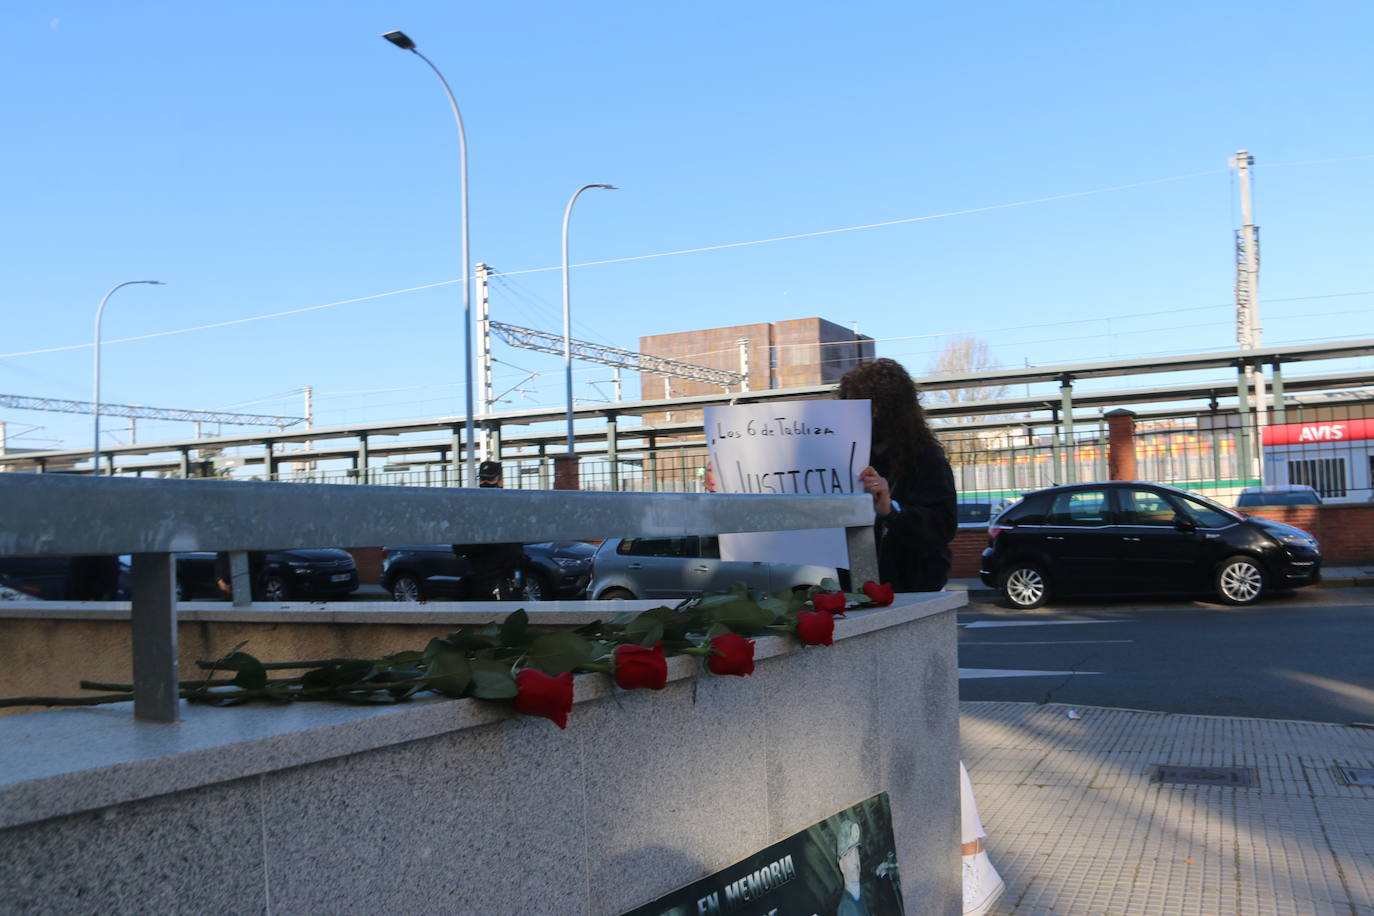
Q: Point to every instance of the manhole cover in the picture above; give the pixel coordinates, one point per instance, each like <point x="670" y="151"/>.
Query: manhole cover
<point x="1235" y="777"/>
<point x="1356" y="776"/>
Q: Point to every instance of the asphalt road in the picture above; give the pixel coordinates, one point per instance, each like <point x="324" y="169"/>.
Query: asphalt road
<point x="1305" y="655"/>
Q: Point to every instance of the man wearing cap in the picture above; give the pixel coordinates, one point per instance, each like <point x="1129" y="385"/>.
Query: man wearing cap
<point x="847" y="855"/>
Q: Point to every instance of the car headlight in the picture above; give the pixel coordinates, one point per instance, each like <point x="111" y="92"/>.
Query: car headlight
<point x="1298" y="540"/>
<point x="567" y="562"/>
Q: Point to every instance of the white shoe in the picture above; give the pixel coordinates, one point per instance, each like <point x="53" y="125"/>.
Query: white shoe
<point x="982" y="885"/>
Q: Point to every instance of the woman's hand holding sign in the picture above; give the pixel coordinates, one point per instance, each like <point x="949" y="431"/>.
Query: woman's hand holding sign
<point x="877" y="485"/>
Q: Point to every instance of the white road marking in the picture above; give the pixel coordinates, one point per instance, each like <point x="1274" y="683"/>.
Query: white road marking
<point x="972" y="673"/>
<point x="1032" y="623"/>
<point x="1060" y="642"/>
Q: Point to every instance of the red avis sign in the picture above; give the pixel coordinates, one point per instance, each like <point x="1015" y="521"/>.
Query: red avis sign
<point x="1316" y="433"/>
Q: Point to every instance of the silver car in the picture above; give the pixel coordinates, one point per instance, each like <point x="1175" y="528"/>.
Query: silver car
<point x="680" y="567"/>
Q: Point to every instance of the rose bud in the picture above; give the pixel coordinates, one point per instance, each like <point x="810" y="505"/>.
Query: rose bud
<point x="816" y="628"/>
<point x="538" y="694"/>
<point x="880" y="595"/>
<point x="830" y="602"/>
<point x="636" y="666"/>
<point x="731" y="654"/>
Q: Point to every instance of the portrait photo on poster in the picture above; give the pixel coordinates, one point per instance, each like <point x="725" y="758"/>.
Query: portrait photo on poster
<point x="789" y="448"/>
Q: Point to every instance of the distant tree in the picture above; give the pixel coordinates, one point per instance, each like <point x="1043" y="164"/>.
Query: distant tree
<point x="961" y="355"/>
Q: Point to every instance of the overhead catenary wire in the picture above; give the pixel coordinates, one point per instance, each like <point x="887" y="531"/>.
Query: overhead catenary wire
<point x="643" y="257"/>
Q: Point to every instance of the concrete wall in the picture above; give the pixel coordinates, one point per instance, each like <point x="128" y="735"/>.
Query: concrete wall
<point x="454" y="806"/>
<point x="50" y="647"/>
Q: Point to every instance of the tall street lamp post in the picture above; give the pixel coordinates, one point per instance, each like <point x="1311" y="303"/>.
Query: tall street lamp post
<point x="567" y="314"/>
<point x="95" y="393"/>
<point x="402" y="41"/>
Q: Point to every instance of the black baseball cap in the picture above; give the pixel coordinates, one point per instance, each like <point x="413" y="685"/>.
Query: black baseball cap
<point x="489" y="470"/>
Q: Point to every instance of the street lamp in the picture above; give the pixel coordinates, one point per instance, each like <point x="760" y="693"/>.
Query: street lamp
<point x="95" y="394"/>
<point x="402" y="41"/>
<point x="567" y="311"/>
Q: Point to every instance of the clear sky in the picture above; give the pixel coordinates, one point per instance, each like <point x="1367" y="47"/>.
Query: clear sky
<point x="266" y="157"/>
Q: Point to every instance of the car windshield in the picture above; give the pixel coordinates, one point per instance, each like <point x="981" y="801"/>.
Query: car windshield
<point x="1215" y="506"/>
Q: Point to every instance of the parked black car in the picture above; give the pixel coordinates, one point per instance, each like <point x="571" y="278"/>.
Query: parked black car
<point x="277" y="575"/>
<point x="1123" y="538"/>
<point x="549" y="570"/>
<point x="66" y="578"/>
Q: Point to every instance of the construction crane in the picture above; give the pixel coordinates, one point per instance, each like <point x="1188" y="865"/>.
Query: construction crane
<point x="147" y="413"/>
<point x="530" y="339"/>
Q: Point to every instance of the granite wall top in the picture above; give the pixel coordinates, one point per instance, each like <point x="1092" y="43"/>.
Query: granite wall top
<point x="70" y="760"/>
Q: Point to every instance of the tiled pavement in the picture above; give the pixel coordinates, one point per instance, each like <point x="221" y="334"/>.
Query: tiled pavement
<point x="1076" y="827"/>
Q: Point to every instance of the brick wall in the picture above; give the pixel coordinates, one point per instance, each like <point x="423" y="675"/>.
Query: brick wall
<point x="1346" y="532"/>
<point x="967" y="551"/>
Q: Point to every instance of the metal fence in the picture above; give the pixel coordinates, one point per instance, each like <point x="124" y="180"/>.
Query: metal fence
<point x="61" y="515"/>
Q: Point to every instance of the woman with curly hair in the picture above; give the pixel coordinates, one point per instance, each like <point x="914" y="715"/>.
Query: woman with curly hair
<point x="909" y="478"/>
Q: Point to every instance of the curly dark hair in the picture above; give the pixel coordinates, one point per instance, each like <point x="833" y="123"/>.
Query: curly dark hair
<point x="899" y="422"/>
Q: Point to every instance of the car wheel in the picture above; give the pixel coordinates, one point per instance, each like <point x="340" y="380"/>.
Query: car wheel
<point x="534" y="587"/>
<point x="1240" y="580"/>
<point x="617" y="594"/>
<point x="407" y="588"/>
<point x="273" y="589"/>
<point x="1025" y="586"/>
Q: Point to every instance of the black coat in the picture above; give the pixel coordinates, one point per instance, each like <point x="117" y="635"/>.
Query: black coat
<point x="913" y="544"/>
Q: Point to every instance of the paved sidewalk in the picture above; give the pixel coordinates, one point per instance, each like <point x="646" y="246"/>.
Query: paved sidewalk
<point x="1076" y="827"/>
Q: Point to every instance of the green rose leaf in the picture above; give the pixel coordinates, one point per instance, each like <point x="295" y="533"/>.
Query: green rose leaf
<point x="829" y="585"/>
<point x="408" y="659"/>
<point x="554" y="653"/>
<point x="741" y="616"/>
<point x="449" y="672"/>
<point x="492" y="680"/>
<point x="251" y="674"/>
<point x="644" y="630"/>
<point x="515" y="629"/>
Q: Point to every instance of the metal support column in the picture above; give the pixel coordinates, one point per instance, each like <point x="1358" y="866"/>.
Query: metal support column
<point x="863" y="555"/>
<point x="612" y="458"/>
<point x="1214" y="442"/>
<point x="269" y="461"/>
<point x="653" y="463"/>
<point x="1245" y="466"/>
<point x="154" y="627"/>
<point x="363" y="459"/>
<point x="493" y="437"/>
<point x="1070" y="447"/>
<point x="543" y="467"/>
<point x="185" y="463"/>
<point x="456" y="453"/>
<point x="240" y="580"/>
<point x="1280" y="413"/>
<point x="1057" y="475"/>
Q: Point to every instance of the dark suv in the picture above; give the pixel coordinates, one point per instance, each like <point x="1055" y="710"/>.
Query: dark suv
<point x="1124" y="537"/>
<point x="277" y="575"/>
<point x="548" y="570"/>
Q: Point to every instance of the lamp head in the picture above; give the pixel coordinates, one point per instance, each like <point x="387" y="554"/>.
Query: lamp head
<point x="608" y="187"/>
<point x="400" y="39"/>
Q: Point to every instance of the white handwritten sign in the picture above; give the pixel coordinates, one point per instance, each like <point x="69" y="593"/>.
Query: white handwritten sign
<point x="789" y="447"/>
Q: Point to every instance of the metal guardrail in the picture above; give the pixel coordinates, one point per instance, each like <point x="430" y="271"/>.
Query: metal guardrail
<point x="50" y="515"/>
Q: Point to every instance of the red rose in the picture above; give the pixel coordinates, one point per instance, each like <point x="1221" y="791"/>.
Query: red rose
<point x="816" y="628"/>
<point x="538" y="694"/>
<point x="636" y="666"/>
<point x="731" y="654"/>
<point x="830" y="602"/>
<point x="880" y="595"/>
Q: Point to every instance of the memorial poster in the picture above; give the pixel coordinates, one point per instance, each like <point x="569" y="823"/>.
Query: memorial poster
<point x="845" y="865"/>
<point x="789" y="447"/>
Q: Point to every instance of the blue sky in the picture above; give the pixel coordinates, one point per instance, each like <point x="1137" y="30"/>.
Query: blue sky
<point x="261" y="158"/>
